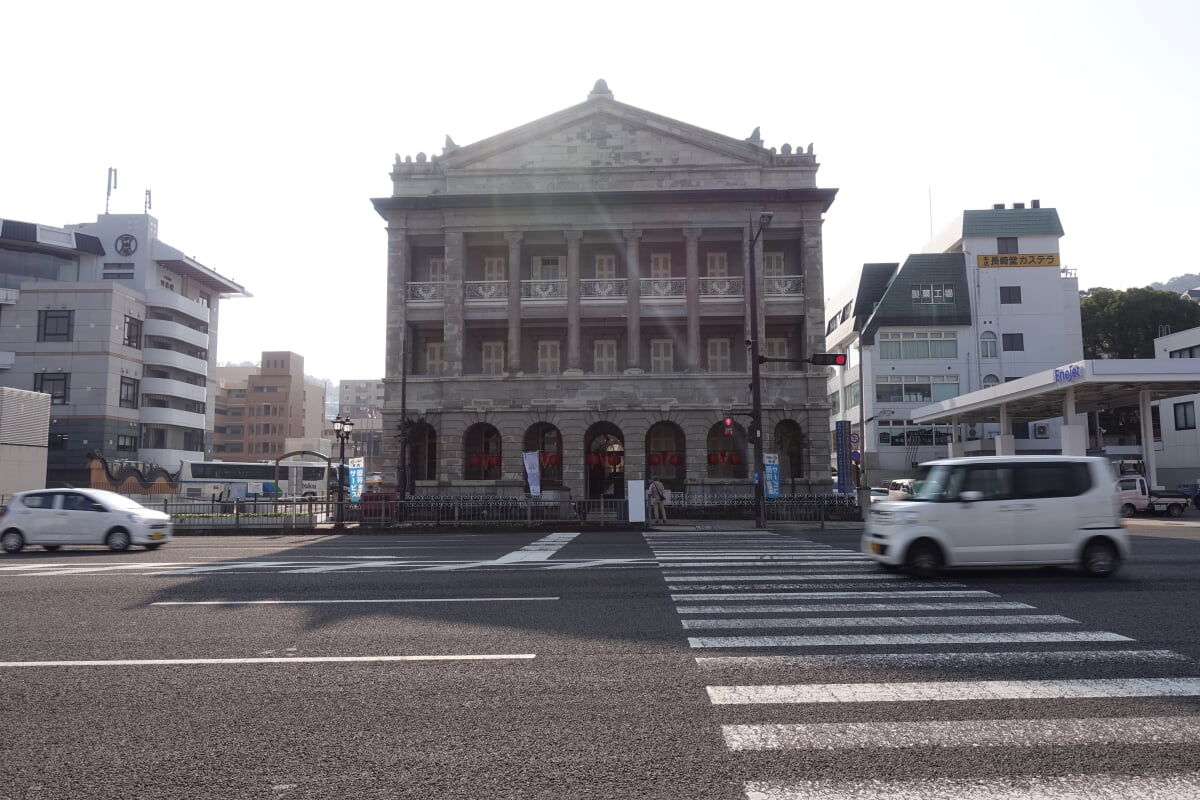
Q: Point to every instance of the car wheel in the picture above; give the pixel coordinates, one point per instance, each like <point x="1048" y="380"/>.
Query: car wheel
<point x="12" y="541"/>
<point x="924" y="560"/>
<point x="1175" y="510"/>
<point x="153" y="545"/>
<point x="1128" y="510"/>
<point x="1100" y="559"/>
<point x="117" y="540"/>
<point x="53" y="548"/>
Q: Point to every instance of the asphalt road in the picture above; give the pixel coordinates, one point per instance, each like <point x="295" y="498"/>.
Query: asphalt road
<point x="678" y="664"/>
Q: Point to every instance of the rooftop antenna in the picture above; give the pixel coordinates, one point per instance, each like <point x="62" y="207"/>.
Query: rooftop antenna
<point x="146" y="210"/>
<point x="112" y="184"/>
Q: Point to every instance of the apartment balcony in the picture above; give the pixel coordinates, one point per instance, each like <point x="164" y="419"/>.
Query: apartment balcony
<point x="152" y="415"/>
<point x="163" y="298"/>
<point x="168" y="387"/>
<point x="157" y="357"/>
<point x="177" y="331"/>
<point x="433" y="293"/>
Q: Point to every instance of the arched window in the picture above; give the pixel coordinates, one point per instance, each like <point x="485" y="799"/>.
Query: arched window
<point x="482" y="456"/>
<point x="666" y="455"/>
<point x="987" y="345"/>
<point x="422" y="452"/>
<point x="546" y="440"/>
<point x="790" y="444"/>
<point x="727" y="456"/>
<point x="989" y="381"/>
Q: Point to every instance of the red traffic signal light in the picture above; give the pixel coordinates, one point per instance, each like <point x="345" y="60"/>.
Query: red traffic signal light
<point x="729" y="426"/>
<point x="828" y="359"/>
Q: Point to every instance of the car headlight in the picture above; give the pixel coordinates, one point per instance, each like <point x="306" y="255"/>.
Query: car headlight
<point x="135" y="517"/>
<point x="910" y="517"/>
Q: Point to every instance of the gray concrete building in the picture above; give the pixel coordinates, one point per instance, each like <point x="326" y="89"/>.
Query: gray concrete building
<point x="119" y="328"/>
<point x="578" y="287"/>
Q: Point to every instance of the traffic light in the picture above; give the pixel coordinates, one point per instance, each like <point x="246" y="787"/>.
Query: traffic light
<point x="828" y="359"/>
<point x="729" y="426"/>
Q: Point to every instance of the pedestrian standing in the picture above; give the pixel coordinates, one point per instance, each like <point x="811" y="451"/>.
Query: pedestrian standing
<point x="657" y="494"/>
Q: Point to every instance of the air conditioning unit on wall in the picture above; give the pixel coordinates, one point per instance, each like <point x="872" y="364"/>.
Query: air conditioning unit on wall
<point x="1041" y="430"/>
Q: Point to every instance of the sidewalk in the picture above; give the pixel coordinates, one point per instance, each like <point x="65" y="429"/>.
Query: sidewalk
<point x="683" y="525"/>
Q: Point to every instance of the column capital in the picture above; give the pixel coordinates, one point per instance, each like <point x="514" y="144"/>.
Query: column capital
<point x="692" y="234"/>
<point x="514" y="237"/>
<point x="631" y="236"/>
<point x="573" y="237"/>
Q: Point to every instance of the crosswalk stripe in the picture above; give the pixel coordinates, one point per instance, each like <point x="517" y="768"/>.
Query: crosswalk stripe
<point x="792" y="608"/>
<point x="876" y="622"/>
<point x="830" y="595"/>
<point x="942" y="691"/>
<point x="859" y="575"/>
<point x="772" y="564"/>
<point x="964" y="733"/>
<point x="901" y="639"/>
<point x="943" y="659"/>
<point x="1104" y="786"/>
<point x="829" y="582"/>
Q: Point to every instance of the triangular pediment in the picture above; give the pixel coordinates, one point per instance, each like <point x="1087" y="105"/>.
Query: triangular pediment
<point x="600" y="135"/>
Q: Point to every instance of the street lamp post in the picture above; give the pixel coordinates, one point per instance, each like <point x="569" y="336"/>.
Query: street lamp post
<point x="342" y="428"/>
<point x="760" y="506"/>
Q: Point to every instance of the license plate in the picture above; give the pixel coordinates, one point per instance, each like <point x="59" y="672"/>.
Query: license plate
<point x="876" y="547"/>
<point x="156" y="536"/>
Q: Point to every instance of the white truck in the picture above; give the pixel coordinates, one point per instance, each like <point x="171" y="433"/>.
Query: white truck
<point x="1136" y="495"/>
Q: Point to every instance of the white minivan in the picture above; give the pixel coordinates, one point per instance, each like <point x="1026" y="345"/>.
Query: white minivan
<point x="1002" y="511"/>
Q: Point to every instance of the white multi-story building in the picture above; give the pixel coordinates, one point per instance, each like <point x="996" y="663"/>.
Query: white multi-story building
<point x="120" y="329"/>
<point x="1177" y="440"/>
<point x="987" y="302"/>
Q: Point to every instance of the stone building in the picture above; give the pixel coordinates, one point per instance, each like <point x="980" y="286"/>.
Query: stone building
<point x="577" y="286"/>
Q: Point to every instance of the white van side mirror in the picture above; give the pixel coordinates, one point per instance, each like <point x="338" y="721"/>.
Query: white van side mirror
<point x="970" y="497"/>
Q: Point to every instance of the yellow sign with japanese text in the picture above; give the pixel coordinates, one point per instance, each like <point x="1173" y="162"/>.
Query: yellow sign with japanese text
<point x="1021" y="260"/>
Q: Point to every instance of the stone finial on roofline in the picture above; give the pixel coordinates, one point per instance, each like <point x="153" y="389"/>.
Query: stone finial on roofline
<point x="755" y="138"/>
<point x="600" y="90"/>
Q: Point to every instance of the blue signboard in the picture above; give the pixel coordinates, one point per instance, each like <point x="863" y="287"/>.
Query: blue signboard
<point x="842" y="443"/>
<point x="771" y="470"/>
<point x="354" y="485"/>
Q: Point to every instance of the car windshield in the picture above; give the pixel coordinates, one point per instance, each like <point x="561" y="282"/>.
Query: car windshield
<point x="114" y="500"/>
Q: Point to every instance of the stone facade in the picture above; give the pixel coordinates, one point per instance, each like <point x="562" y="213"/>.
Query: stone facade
<point x="578" y="286"/>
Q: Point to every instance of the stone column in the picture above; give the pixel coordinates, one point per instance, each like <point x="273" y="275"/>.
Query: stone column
<point x="633" y="307"/>
<point x="453" y="325"/>
<point x="691" y="237"/>
<point x="573" y="238"/>
<point x="514" y="300"/>
<point x="812" y="268"/>
<point x="399" y="268"/>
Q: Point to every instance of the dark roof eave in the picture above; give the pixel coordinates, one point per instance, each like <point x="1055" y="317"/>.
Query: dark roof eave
<point x="766" y="197"/>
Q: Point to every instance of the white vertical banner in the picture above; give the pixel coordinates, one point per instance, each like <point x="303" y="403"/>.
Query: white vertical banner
<point x="636" y="494"/>
<point x="533" y="472"/>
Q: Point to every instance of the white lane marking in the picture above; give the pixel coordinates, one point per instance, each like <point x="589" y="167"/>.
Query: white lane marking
<point x="964" y="733"/>
<point x="791" y="608"/>
<point x="321" y="602"/>
<point x="831" y="595"/>
<point x="857" y="575"/>
<point x="943" y="691"/>
<point x="815" y="582"/>
<point x="39" y="568"/>
<point x="842" y="640"/>
<point x="290" y="660"/>
<point x="773" y="564"/>
<point x="339" y="567"/>
<point x="876" y="622"/>
<point x="1185" y="786"/>
<point x="227" y="565"/>
<point x="600" y="562"/>
<point x="540" y="550"/>
<point x="944" y="659"/>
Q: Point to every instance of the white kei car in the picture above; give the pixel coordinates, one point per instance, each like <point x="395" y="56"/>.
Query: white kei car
<point x="56" y="517"/>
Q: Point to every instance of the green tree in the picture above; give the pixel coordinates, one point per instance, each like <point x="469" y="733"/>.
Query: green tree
<point x="1124" y="324"/>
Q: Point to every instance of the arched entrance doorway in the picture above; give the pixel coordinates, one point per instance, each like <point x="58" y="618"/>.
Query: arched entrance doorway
<point x="604" y="461"/>
<point x="666" y="455"/>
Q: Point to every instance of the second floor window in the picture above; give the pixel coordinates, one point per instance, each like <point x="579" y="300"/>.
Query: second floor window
<point x="773" y="265"/>
<point x="433" y="358"/>
<point x="493" y="269"/>
<point x="55" y="384"/>
<point x="493" y="358"/>
<point x="55" y="326"/>
<point x="606" y="265"/>
<point x="987" y="345"/>
<point x="660" y="266"/>
<point x="717" y="265"/>
<point x="133" y="332"/>
<point x="1010" y="295"/>
<point x="1006" y="245"/>
<point x="604" y="356"/>
<point x="129" y="393"/>
<point x="662" y="355"/>
<point x="548" y="363"/>
<point x="1013" y="341"/>
<point x="718" y="355"/>
<point x="777" y="347"/>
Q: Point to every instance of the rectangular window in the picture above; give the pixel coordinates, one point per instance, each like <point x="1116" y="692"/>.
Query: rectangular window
<point x="834" y="404"/>
<point x="57" y="441"/>
<point x="437" y="269"/>
<point x="718" y="355"/>
<point x="55" y="384"/>
<point x="773" y="265"/>
<point x="547" y="268"/>
<point x="133" y="333"/>
<point x="606" y="266"/>
<point x="433" y="358"/>
<point x="115" y="271"/>
<point x="1006" y="245"/>
<point x="129" y="393"/>
<point x="548" y="363"/>
<point x="55" y="326"/>
<point x="662" y="355"/>
<point x="493" y="269"/>
<point x="1010" y="295"/>
<point x="1013" y="341"/>
<point x="493" y="358"/>
<point x="126" y="444"/>
<point x="717" y="265"/>
<point x="1185" y="416"/>
<point x="604" y="355"/>
<point x="853" y="395"/>
<point x="777" y="347"/>
<point x="918" y="344"/>
<point x="660" y="266"/>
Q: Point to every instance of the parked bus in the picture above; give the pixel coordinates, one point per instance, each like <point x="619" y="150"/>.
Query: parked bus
<point x="228" y="480"/>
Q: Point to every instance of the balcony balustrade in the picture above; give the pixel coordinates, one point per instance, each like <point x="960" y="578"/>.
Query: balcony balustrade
<point x="785" y="285"/>
<point x="603" y="288"/>
<point x="432" y="291"/>
<point x="663" y="287"/>
<point x="485" y="290"/>
<point x="722" y="287"/>
<point x="544" y="289"/>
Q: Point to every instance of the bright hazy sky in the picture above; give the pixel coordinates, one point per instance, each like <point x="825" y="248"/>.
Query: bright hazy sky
<point x="264" y="128"/>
